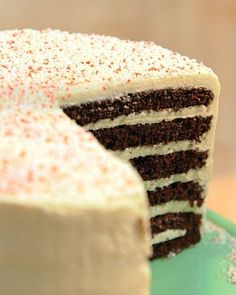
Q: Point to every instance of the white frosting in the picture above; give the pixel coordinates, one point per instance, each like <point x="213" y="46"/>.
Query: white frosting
<point x="71" y="214"/>
<point x="149" y="117"/>
<point x="45" y="251"/>
<point x="49" y="65"/>
<point x="167" y="235"/>
<point x="174" y="207"/>
<point x="45" y="153"/>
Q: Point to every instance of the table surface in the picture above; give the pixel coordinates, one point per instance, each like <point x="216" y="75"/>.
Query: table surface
<point x="222" y="196"/>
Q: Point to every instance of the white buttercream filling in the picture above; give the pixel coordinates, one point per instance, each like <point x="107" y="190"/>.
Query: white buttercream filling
<point x="174" y="207"/>
<point x="163" y="149"/>
<point x="167" y="235"/>
<point x="200" y="175"/>
<point x="150" y="117"/>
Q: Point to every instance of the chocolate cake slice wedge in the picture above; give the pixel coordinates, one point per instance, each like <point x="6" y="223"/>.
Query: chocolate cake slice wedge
<point x="149" y="105"/>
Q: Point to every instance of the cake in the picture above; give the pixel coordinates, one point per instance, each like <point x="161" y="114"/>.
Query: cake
<point x="73" y="219"/>
<point x="149" y="105"/>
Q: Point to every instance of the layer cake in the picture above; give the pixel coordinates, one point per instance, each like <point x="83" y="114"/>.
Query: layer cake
<point x="73" y="219"/>
<point x="149" y="105"/>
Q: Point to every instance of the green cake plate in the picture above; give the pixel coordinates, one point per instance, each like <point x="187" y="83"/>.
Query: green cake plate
<point x="203" y="269"/>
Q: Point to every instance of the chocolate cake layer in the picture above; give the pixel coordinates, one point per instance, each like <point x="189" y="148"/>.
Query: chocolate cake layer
<point x="186" y="221"/>
<point x="161" y="166"/>
<point x="124" y="136"/>
<point x="176" y="245"/>
<point x="155" y="100"/>
<point x="178" y="191"/>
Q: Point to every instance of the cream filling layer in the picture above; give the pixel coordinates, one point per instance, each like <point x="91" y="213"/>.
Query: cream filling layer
<point x="175" y="207"/>
<point x="163" y="149"/>
<point x="168" y="235"/>
<point x="200" y="175"/>
<point x="150" y="117"/>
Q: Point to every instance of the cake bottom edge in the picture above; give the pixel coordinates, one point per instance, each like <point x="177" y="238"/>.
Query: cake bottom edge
<point x="177" y="245"/>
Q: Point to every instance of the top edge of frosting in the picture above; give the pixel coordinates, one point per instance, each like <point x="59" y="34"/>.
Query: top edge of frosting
<point x="53" y="66"/>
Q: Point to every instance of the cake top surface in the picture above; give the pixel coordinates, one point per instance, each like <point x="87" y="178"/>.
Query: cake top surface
<point x="46" y="158"/>
<point x="52" y="64"/>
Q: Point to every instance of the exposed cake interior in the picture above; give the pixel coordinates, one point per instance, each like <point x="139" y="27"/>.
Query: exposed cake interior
<point x="167" y="136"/>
